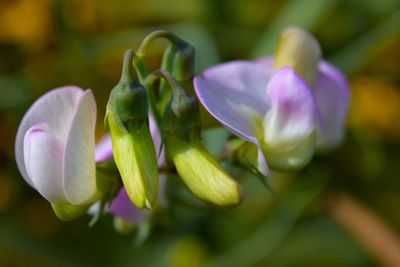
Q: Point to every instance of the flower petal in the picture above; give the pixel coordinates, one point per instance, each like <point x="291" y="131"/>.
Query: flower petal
<point x="103" y="149"/>
<point x="122" y="207"/>
<point x="56" y="109"/>
<point x="289" y="124"/>
<point x="79" y="165"/>
<point x="234" y="93"/>
<point x="331" y="93"/>
<point x="43" y="155"/>
<point x="156" y="136"/>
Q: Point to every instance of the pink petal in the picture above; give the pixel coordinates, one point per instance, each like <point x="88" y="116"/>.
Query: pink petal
<point x="155" y="134"/>
<point x="103" y="149"/>
<point x="43" y="155"/>
<point x="291" y="120"/>
<point x="235" y="94"/>
<point x="331" y="93"/>
<point x="79" y="162"/>
<point x="56" y="108"/>
<point x="122" y="207"/>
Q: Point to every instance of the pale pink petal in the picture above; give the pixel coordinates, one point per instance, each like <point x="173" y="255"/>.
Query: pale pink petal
<point x="79" y="162"/>
<point x="331" y="93"/>
<point x="155" y="134"/>
<point x="43" y="154"/>
<point x="56" y="108"/>
<point x="234" y="93"/>
<point x="290" y="123"/>
<point x="103" y="149"/>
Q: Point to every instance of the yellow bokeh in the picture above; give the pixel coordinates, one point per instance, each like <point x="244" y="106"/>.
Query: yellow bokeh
<point x="25" y="22"/>
<point x="375" y="103"/>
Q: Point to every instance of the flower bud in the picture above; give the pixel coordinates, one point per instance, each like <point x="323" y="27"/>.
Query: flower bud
<point x="135" y="157"/>
<point x="181" y="114"/>
<point x="299" y="50"/>
<point x="202" y="174"/>
<point x="183" y="60"/>
<point x="179" y="57"/>
<point x="132" y="144"/>
<point x="128" y="99"/>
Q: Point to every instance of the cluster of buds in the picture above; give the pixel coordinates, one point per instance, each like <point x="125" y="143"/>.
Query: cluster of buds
<point x="284" y="107"/>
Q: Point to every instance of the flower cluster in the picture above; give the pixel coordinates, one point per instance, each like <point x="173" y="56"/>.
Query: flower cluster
<point x="284" y="106"/>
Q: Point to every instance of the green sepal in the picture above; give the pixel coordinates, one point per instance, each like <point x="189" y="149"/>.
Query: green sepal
<point x="128" y="99"/>
<point x="245" y="156"/>
<point x="69" y="212"/>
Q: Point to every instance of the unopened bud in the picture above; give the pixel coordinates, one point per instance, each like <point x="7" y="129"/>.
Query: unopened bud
<point x="181" y="117"/>
<point x="202" y="174"/>
<point x="181" y="113"/>
<point x="183" y="61"/>
<point x="298" y="49"/>
<point x="128" y="99"/>
<point x="132" y="144"/>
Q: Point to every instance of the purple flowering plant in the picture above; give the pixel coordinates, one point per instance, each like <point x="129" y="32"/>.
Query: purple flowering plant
<point x="282" y="108"/>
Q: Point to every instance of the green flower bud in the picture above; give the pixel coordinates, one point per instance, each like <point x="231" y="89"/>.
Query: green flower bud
<point x="300" y="50"/>
<point x="181" y="116"/>
<point x="181" y="113"/>
<point x="202" y="174"/>
<point x="183" y="61"/>
<point x="132" y="144"/>
<point x="179" y="57"/>
<point x="128" y="99"/>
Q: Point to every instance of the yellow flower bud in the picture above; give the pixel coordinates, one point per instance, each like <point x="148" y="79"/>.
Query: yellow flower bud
<point x="202" y="174"/>
<point x="298" y="49"/>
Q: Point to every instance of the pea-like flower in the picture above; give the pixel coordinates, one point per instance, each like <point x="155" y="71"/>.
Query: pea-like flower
<point x="286" y="105"/>
<point x="55" y="147"/>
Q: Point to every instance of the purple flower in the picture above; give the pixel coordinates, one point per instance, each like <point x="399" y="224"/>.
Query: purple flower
<point x="268" y="104"/>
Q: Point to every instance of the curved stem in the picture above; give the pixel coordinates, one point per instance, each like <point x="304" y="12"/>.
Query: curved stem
<point x="150" y="38"/>
<point x="160" y="73"/>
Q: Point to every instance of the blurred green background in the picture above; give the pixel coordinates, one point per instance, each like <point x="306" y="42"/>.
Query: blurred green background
<point x="342" y="210"/>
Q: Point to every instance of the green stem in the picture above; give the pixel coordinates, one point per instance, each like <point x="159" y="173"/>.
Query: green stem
<point x="160" y="73"/>
<point x="142" y="74"/>
<point x="150" y="38"/>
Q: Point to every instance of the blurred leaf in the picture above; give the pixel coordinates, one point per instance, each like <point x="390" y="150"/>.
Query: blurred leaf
<point x="303" y="13"/>
<point x="265" y="240"/>
<point x="112" y="45"/>
<point x="354" y="55"/>
<point x="14" y="91"/>
<point x="319" y="242"/>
